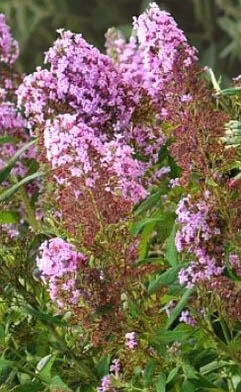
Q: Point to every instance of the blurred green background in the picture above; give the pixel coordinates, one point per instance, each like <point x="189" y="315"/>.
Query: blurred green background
<point x="213" y="26"/>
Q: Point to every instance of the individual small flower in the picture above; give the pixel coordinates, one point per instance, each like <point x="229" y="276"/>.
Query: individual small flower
<point x="186" y="98"/>
<point x="115" y="367"/>
<point x="187" y="318"/>
<point x="174" y="182"/>
<point x="131" y="340"/>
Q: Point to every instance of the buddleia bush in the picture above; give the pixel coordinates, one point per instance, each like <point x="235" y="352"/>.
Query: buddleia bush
<point x="120" y="216"/>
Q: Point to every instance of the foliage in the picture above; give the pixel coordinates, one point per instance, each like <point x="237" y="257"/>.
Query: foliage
<point x="120" y="213"/>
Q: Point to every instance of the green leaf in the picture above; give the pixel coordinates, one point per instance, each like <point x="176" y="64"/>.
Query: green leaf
<point x="8" y="139"/>
<point x="44" y="316"/>
<point x="161" y="383"/>
<point x="138" y="227"/>
<point x="9" y="217"/>
<point x="145" y="237"/>
<point x="175" y="169"/>
<point x="149" y="371"/>
<point x="6" y="363"/>
<point x="171" y="250"/>
<point x="4" y="173"/>
<point x="33" y="386"/>
<point x="214" y="365"/>
<point x="44" y="367"/>
<point x="164" y="230"/>
<point x="179" y="307"/>
<point x="189" y="371"/>
<point x="172" y="374"/>
<point x="231" y="91"/>
<point x="10" y="191"/>
<point x="187" y="386"/>
<point x="58" y="385"/>
<point x="165" y="279"/>
<point x="103" y="366"/>
<point x="153" y="200"/>
<point x="166" y="337"/>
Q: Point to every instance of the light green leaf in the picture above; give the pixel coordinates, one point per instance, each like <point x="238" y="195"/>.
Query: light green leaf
<point x="10" y="191"/>
<point x="44" y="366"/>
<point x="171" y="250"/>
<point x="58" y="385"/>
<point x="4" y="173"/>
<point x="172" y="374"/>
<point x="161" y="383"/>
<point x="149" y="371"/>
<point x="9" y="217"/>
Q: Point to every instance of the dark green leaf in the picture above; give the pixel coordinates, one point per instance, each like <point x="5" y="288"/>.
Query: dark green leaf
<point x="138" y="227"/>
<point x="171" y="250"/>
<point x="153" y="200"/>
<point x="103" y="366"/>
<point x="179" y="307"/>
<point x="187" y="386"/>
<point x="44" y="316"/>
<point x="165" y="279"/>
<point x="33" y="386"/>
<point x="149" y="371"/>
<point x="164" y="229"/>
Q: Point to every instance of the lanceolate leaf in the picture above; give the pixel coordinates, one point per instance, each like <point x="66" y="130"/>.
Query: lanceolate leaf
<point x="33" y="386"/>
<point x="57" y="385"/>
<point x="179" y="307"/>
<point x="44" y="367"/>
<point x="165" y="279"/>
<point x="10" y="191"/>
<point x="4" y="173"/>
<point x="171" y="250"/>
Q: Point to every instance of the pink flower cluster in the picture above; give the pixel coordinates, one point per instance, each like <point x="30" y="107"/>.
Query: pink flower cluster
<point x="82" y="78"/>
<point x="87" y="111"/>
<point x="106" y="382"/>
<point x="12" y="123"/>
<point x="194" y="235"/>
<point x="9" y="49"/>
<point x="58" y="263"/>
<point x="74" y="147"/>
<point x="157" y="57"/>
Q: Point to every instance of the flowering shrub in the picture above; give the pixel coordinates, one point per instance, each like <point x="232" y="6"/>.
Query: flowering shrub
<point x="120" y="217"/>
